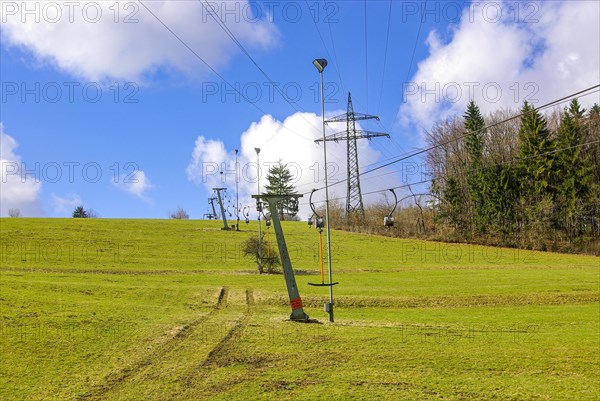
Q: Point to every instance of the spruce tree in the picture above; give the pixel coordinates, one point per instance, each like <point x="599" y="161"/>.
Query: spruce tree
<point x="535" y="172"/>
<point x="474" y="124"/>
<point x="453" y="211"/>
<point x="574" y="172"/>
<point x="80" y="212"/>
<point x="280" y="183"/>
<point x="535" y="157"/>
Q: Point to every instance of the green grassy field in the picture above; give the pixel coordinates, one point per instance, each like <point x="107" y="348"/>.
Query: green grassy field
<point x="97" y="309"/>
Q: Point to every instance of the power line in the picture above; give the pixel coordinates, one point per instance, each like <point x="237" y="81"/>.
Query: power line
<point x="500" y="163"/>
<point x="336" y="64"/>
<point x="232" y="36"/>
<point x="427" y="149"/>
<point x="211" y="68"/>
<point x="480" y="130"/>
<point x="387" y="39"/>
<point x="366" y="60"/>
<point x="412" y="57"/>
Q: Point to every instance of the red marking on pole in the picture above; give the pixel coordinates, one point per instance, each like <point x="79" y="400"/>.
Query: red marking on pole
<point x="296" y="303"/>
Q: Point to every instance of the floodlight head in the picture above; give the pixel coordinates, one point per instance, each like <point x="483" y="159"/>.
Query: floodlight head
<point x="257" y="150"/>
<point x="320" y="63"/>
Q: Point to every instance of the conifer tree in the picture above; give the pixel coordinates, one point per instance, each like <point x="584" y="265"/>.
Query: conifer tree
<point x="573" y="171"/>
<point x="535" y="157"/>
<point x="280" y="182"/>
<point x="474" y="124"/>
<point x="80" y="212"/>
<point x="535" y="171"/>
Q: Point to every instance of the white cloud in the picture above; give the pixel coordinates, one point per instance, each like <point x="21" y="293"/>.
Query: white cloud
<point x="17" y="190"/>
<point x="65" y="204"/>
<point x="99" y="40"/>
<point x="292" y="141"/>
<point x="549" y="51"/>
<point x="136" y="183"/>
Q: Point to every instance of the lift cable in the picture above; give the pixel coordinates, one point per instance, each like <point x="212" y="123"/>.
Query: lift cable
<point x="500" y="163"/>
<point x="429" y="148"/>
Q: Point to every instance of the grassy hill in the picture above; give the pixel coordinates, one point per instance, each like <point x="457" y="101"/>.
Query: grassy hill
<point x="96" y="309"/>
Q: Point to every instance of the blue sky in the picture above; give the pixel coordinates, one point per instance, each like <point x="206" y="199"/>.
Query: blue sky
<point x="132" y="121"/>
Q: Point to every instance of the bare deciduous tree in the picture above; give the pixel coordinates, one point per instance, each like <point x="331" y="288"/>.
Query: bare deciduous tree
<point x="180" y="214"/>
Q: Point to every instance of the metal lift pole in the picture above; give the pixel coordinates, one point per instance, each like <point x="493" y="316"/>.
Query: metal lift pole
<point x="218" y="190"/>
<point x="288" y="271"/>
<point x="212" y="203"/>
<point x="237" y="193"/>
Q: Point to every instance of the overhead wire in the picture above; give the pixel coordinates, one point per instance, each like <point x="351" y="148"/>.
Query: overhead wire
<point x="223" y="26"/>
<point x="366" y="60"/>
<point x="338" y="70"/>
<point x="408" y="185"/>
<point x="429" y="148"/>
<point x="215" y="16"/>
<point x="214" y="71"/>
<point x="385" y="53"/>
<point x="412" y="57"/>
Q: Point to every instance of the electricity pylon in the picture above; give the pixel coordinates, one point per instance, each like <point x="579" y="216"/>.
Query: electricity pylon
<point x="354" y="202"/>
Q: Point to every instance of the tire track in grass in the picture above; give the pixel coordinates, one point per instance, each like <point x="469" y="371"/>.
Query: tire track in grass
<point x="179" y="334"/>
<point x="222" y="348"/>
<point x="222" y="354"/>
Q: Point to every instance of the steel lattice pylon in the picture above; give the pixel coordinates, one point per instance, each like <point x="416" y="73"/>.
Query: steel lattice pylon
<point x="354" y="202"/>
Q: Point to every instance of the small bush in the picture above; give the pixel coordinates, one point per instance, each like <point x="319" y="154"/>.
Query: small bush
<point x="250" y="249"/>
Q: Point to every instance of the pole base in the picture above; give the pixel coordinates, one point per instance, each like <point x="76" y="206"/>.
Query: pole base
<point x="300" y="318"/>
<point x="328" y="307"/>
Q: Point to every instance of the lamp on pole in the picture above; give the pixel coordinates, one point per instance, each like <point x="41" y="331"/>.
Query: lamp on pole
<point x="320" y="64"/>
<point x="257" y="150"/>
<point x="237" y="193"/>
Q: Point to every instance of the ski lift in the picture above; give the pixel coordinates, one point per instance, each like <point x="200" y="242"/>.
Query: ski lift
<point x="315" y="218"/>
<point x="261" y="210"/>
<point x="232" y="211"/>
<point x="246" y="213"/>
<point x="320" y="223"/>
<point x="267" y="219"/>
<point x="388" y="221"/>
<point x="292" y="207"/>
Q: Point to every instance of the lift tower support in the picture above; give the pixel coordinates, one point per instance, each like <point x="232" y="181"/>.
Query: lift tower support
<point x="288" y="272"/>
<point x="220" y="200"/>
<point x="212" y="203"/>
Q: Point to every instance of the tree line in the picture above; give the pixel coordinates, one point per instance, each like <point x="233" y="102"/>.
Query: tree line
<point x="531" y="182"/>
